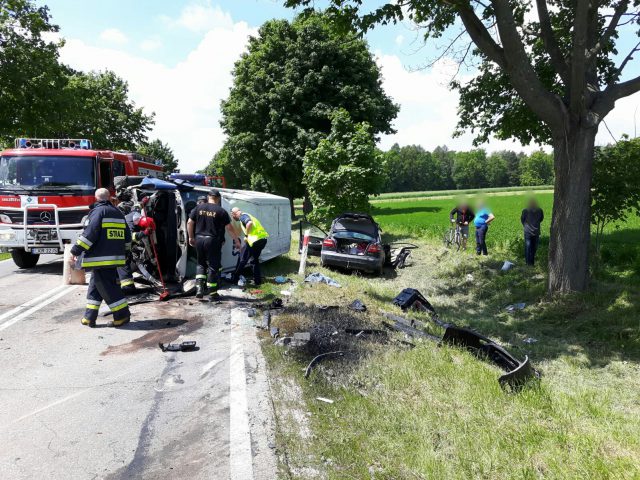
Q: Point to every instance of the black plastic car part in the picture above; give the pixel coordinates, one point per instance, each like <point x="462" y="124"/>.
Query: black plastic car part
<point x="517" y="372"/>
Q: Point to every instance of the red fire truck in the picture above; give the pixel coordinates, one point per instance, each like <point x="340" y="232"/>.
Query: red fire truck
<point x="46" y="187"/>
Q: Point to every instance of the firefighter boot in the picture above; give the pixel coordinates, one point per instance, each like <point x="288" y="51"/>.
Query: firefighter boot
<point x="121" y="321"/>
<point x="87" y="322"/>
<point x="200" y="288"/>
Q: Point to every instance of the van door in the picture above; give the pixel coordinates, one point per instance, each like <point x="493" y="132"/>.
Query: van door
<point x="183" y="243"/>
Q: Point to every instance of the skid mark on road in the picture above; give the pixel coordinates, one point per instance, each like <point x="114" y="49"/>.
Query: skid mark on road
<point x="36" y="304"/>
<point x="240" y="457"/>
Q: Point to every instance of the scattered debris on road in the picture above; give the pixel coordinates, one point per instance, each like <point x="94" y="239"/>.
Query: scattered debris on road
<point x="187" y="346"/>
<point x="515" y="307"/>
<point x="318" y="277"/>
<point x="357" y="306"/>
<point x="507" y="265"/>
<point x="323" y="399"/>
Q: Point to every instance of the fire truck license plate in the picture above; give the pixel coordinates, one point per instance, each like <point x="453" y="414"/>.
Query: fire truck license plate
<point x="44" y="250"/>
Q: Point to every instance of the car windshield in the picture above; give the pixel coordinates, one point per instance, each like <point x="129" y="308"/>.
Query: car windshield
<point x="47" y="172"/>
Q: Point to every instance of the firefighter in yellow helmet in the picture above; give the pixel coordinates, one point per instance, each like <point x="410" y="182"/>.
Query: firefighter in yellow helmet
<point x="255" y="239"/>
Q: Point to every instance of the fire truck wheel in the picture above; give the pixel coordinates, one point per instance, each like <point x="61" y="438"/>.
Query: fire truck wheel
<point x="24" y="259"/>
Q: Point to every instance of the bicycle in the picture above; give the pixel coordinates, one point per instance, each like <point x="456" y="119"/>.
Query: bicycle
<point x="453" y="238"/>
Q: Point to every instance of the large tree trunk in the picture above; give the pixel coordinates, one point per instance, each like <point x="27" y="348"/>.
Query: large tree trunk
<point x="570" y="225"/>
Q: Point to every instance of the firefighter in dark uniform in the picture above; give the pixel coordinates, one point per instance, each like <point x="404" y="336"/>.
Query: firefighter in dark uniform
<point x="125" y="273"/>
<point x="206" y="226"/>
<point x="104" y="242"/>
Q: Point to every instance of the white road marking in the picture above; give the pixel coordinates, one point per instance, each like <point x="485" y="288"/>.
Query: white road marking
<point x="41" y="304"/>
<point x="240" y="456"/>
<point x="31" y="302"/>
<point x="209" y="366"/>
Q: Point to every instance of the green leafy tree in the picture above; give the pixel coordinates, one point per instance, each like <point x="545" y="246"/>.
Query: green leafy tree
<point x="285" y="88"/>
<point x="343" y="170"/>
<point x="160" y="151"/>
<point x="616" y="190"/>
<point x="444" y="160"/>
<point x="97" y="106"/>
<point x="469" y="169"/>
<point x="409" y="169"/>
<point x="497" y="171"/>
<point x="536" y="169"/>
<point x="30" y="75"/>
<point x="221" y="165"/>
<point x="549" y="71"/>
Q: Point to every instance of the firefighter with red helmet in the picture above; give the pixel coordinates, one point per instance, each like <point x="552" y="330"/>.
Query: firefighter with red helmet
<point x="104" y="243"/>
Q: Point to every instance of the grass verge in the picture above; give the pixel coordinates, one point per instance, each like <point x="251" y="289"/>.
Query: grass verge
<point x="433" y="412"/>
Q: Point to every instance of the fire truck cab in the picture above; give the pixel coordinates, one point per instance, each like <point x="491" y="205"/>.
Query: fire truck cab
<point x="47" y="186"/>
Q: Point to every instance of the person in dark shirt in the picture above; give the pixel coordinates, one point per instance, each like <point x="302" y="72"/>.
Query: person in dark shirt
<point x="462" y="215"/>
<point x="206" y="226"/>
<point x="531" y="218"/>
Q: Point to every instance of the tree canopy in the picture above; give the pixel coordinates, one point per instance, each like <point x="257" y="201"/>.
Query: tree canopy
<point x="616" y="190"/>
<point x="41" y="97"/>
<point x="286" y="87"/>
<point x="160" y="151"/>
<point x="343" y="170"/>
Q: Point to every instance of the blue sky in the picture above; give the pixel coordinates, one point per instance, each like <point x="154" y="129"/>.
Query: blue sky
<point x="177" y="57"/>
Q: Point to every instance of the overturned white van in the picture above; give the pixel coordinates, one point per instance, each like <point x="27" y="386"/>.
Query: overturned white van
<point x="169" y="204"/>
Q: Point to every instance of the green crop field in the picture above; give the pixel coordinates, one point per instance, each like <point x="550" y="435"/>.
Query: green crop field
<point x="435" y="412"/>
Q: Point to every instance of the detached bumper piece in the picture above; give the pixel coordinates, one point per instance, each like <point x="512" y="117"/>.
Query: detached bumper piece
<point x="518" y="373"/>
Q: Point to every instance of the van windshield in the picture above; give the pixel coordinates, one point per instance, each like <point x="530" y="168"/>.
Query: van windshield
<point x="20" y="173"/>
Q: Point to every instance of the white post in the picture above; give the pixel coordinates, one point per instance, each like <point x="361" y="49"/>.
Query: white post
<point x="305" y="249"/>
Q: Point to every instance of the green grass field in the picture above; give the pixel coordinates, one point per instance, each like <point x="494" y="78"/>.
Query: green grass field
<point x="433" y="412"/>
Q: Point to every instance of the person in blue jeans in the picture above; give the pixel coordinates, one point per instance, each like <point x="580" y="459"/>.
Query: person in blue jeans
<point x="484" y="217"/>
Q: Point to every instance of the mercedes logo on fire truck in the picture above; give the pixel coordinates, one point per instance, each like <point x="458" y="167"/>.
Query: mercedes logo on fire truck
<point x="45" y="216"/>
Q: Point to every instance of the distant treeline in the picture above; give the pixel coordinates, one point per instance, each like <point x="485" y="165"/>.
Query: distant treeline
<point x="412" y="168"/>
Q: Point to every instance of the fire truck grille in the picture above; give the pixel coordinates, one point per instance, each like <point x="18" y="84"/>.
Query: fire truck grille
<point x="45" y="217"/>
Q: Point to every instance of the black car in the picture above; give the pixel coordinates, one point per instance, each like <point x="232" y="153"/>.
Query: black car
<point x="353" y="242"/>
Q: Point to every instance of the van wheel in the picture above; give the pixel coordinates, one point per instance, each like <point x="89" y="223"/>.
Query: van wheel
<point x="24" y="259"/>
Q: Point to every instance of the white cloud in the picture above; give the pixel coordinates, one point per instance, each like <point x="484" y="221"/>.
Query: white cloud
<point x="429" y="110"/>
<point x="624" y="119"/>
<point x="399" y="40"/>
<point x="150" y="44"/>
<point x="186" y="97"/>
<point x="114" y="36"/>
<point x="200" y="17"/>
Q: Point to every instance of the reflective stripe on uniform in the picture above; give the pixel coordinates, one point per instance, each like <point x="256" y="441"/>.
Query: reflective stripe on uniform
<point x="113" y="223"/>
<point x="104" y="261"/>
<point x="126" y="282"/>
<point x="119" y="305"/>
<point x="203" y="277"/>
<point x="94" y="302"/>
<point x="84" y="242"/>
<point x="211" y="285"/>
<point x="93" y="307"/>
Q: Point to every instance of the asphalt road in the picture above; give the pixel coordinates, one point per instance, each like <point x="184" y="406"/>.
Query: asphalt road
<point x="82" y="403"/>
